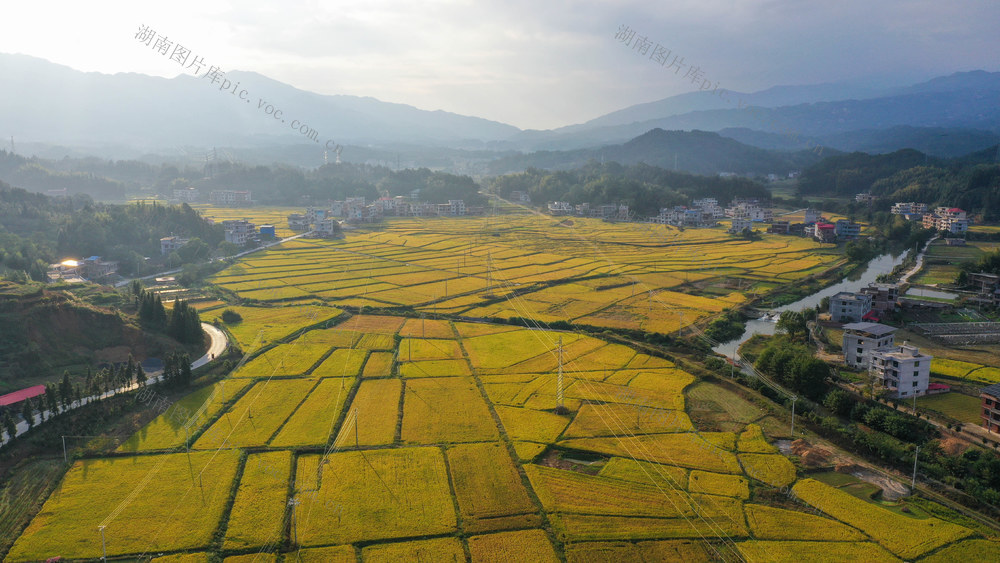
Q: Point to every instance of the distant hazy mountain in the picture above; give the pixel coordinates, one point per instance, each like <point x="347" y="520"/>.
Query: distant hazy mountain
<point x="42" y="101"/>
<point x="968" y="100"/>
<point x="935" y="141"/>
<point x="699" y="152"/>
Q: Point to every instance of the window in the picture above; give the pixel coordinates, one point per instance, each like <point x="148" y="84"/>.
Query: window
<point x="914" y="383"/>
<point x="902" y="394"/>
<point x="916" y="365"/>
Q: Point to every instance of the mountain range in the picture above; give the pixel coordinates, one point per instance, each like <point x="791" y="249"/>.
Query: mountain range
<point x="53" y="108"/>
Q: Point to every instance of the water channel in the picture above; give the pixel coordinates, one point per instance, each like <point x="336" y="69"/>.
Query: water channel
<point x="880" y="265"/>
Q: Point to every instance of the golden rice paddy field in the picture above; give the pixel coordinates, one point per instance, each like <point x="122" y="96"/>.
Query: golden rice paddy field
<point x="628" y="276"/>
<point x="373" y="437"/>
<point x="464" y="459"/>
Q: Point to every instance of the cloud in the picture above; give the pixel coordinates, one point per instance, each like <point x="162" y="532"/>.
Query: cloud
<point x="531" y="64"/>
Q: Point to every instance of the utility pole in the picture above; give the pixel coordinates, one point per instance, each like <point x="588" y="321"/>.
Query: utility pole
<point x="65" y="459"/>
<point x="913" y="484"/>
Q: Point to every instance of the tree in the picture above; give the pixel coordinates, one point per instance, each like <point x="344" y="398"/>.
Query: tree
<point x="28" y="412"/>
<point x="51" y="399"/>
<point x="839" y="402"/>
<point x="9" y="425"/>
<point x="140" y="375"/>
<point x="231" y="317"/>
<point x="66" y="391"/>
<point x="792" y="322"/>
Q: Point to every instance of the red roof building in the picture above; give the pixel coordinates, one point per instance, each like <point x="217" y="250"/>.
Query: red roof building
<point x="18" y="396"/>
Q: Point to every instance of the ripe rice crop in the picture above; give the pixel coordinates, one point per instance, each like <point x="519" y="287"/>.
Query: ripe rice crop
<point x="655" y="474"/>
<point x="435" y="368"/>
<point x="719" y="484"/>
<point x="531" y="425"/>
<point x="256" y="416"/>
<point x="773" y="469"/>
<point x="818" y="551"/>
<point x="753" y="440"/>
<point x="528" y="451"/>
<point x="379" y="364"/>
<point x="275" y="322"/>
<point x="377" y="405"/>
<point x="426" y="328"/>
<point x="614" y="552"/>
<point x="680" y="449"/>
<point x="486" y="483"/>
<point x="623" y="420"/>
<point x="421" y="551"/>
<point x="416" y="349"/>
<point x="312" y="423"/>
<point x="257" y="516"/>
<point x="503" y="547"/>
<point x="333" y="554"/>
<point x="952" y="368"/>
<point x="904" y="536"/>
<point x="445" y="409"/>
<point x="342" y="362"/>
<point x="284" y="359"/>
<point x="966" y="550"/>
<point x="769" y="523"/>
<point x="405" y="493"/>
<point x="194" y="410"/>
<point x="569" y="491"/>
<point x="131" y="495"/>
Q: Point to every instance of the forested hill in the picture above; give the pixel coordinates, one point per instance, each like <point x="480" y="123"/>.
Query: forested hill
<point x="698" y="152"/>
<point x="36" y="230"/>
<point x="971" y="182"/>
<point x="644" y="188"/>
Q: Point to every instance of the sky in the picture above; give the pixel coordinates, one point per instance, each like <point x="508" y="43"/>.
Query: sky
<point x="532" y="64"/>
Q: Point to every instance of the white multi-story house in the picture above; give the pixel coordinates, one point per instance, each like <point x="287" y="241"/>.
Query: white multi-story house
<point x="170" y="244"/>
<point x="187" y="195"/>
<point x="812" y="216"/>
<point x="908" y="207"/>
<point x="298" y="222"/>
<point x="740" y="224"/>
<point x="709" y="206"/>
<point x="456" y="207"/>
<point x="560" y="208"/>
<point x="951" y="219"/>
<point x="848" y="230"/>
<point x="846" y="307"/>
<point x="861" y="339"/>
<point x="231" y="198"/>
<point x="239" y="231"/>
<point x="902" y="370"/>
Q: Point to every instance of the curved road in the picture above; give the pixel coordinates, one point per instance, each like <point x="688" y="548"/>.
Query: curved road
<point x="218" y="345"/>
<point x="215" y="349"/>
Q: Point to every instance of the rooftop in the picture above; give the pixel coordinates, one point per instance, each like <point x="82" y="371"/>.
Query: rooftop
<point x="993" y="390"/>
<point x="875" y="329"/>
<point x="22" y="394"/>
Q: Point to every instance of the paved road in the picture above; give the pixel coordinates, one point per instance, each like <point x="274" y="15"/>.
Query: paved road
<point x="215" y="349"/>
<point x="125" y="282"/>
<point x="218" y="345"/>
<point x="919" y="262"/>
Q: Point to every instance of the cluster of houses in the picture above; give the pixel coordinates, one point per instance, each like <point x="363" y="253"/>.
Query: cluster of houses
<point x="610" y="212"/>
<point x="79" y="271"/>
<point x="903" y="371"/>
<point x="220" y="198"/>
<point x="359" y="210"/>
<point x="237" y="231"/>
<point x="702" y="213"/>
<point x="872" y="303"/>
<point x="949" y="219"/>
